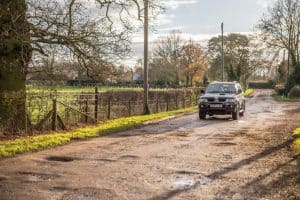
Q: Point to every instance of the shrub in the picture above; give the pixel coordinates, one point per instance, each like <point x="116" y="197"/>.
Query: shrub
<point x="294" y="92"/>
<point x="262" y="84"/>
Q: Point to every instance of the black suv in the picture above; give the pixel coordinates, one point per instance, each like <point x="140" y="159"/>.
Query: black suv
<point x="222" y="98"/>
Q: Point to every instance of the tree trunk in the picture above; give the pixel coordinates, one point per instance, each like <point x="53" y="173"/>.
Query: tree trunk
<point x="187" y="80"/>
<point x="15" y="53"/>
<point x="191" y="79"/>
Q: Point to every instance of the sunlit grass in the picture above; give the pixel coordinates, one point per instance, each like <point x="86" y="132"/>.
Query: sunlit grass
<point x="34" y="143"/>
<point x="286" y="99"/>
<point x="79" y="89"/>
<point x="248" y="92"/>
<point x="297" y="139"/>
<point x="76" y="89"/>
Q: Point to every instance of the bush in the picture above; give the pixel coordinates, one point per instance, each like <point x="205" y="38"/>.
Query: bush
<point x="262" y="84"/>
<point x="248" y="92"/>
<point x="280" y="89"/>
<point x="294" y="92"/>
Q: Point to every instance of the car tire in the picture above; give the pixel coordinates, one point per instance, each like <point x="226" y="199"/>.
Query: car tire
<point x="244" y="109"/>
<point x="236" y="114"/>
<point x="202" y="115"/>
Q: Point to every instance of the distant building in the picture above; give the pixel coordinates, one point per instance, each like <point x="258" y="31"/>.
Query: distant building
<point x="82" y="80"/>
<point x="41" y="76"/>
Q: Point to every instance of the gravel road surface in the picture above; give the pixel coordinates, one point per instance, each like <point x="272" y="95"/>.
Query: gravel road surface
<point x="182" y="158"/>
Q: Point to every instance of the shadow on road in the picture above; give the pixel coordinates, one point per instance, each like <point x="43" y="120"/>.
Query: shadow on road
<point x="235" y="166"/>
<point x="280" y="183"/>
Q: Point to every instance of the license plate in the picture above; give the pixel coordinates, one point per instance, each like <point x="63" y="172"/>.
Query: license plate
<point x="216" y="105"/>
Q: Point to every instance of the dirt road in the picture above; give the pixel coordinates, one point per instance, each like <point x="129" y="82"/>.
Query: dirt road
<point x="183" y="158"/>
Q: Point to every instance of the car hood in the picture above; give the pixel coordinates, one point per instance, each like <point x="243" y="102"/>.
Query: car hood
<point x="216" y="95"/>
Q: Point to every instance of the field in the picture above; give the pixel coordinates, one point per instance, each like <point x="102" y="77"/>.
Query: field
<point x="80" y="89"/>
<point x="66" y="107"/>
<point x="286" y="99"/>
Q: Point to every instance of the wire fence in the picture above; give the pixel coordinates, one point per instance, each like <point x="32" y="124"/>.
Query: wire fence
<point x="53" y="111"/>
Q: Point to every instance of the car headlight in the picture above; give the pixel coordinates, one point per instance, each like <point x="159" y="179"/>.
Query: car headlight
<point x="230" y="100"/>
<point x="203" y="101"/>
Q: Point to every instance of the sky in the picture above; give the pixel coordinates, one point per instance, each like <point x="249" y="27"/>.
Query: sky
<point x="201" y="19"/>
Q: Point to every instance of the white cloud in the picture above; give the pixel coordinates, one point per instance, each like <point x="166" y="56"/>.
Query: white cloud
<point x="174" y="4"/>
<point x="163" y="19"/>
<point x="169" y="29"/>
<point x="264" y="3"/>
<point x="139" y="38"/>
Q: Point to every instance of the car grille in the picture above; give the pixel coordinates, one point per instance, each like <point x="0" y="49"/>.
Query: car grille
<point x="222" y="99"/>
<point x="211" y="99"/>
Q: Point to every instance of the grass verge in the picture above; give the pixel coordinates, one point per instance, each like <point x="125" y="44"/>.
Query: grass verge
<point x="248" y="92"/>
<point x="34" y="143"/>
<point x="296" y="135"/>
<point x="286" y="99"/>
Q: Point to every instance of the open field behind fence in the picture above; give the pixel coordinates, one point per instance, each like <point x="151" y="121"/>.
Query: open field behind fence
<point x="78" y="89"/>
<point x="52" y="110"/>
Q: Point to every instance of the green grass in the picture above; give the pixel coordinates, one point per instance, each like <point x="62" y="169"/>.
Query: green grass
<point x="32" y="89"/>
<point x="34" y="143"/>
<point x="75" y="89"/>
<point x="297" y="139"/>
<point x="286" y="99"/>
<point x="248" y="92"/>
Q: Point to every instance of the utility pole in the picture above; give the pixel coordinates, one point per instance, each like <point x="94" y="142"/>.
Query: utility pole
<point x="222" y="29"/>
<point x="146" y="47"/>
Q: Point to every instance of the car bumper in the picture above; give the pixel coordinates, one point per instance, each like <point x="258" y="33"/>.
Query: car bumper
<point x="218" y="108"/>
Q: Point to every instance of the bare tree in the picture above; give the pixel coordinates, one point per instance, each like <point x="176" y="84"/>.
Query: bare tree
<point x="281" y="26"/>
<point x="90" y="32"/>
<point x="165" y="63"/>
<point x="264" y="59"/>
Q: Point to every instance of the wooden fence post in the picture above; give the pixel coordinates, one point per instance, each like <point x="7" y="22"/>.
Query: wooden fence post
<point x="86" y="110"/>
<point x="184" y="102"/>
<point x="129" y="108"/>
<point x="167" y="104"/>
<point x="191" y="100"/>
<point x="108" y="107"/>
<point x="54" y="115"/>
<point x="96" y="103"/>
<point x="157" y="104"/>
<point x="176" y="102"/>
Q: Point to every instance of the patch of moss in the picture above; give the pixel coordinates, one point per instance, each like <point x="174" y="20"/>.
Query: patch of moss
<point x="296" y="135"/>
<point x="286" y="99"/>
<point x="248" y="92"/>
<point x="34" y="143"/>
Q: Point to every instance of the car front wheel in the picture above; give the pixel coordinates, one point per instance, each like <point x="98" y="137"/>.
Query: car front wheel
<point x="244" y="109"/>
<point x="236" y="114"/>
<point x="202" y="115"/>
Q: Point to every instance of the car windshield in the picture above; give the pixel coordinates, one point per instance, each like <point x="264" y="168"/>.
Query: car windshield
<point x="221" y="88"/>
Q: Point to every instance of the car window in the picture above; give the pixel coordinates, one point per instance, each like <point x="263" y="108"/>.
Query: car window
<point x="221" y="88"/>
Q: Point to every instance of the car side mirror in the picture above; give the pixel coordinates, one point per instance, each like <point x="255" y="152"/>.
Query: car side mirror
<point x="202" y="91"/>
<point x="240" y="91"/>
